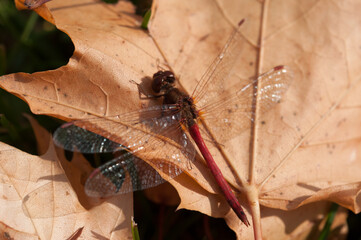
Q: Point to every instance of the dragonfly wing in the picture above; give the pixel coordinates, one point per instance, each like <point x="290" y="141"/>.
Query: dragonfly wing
<point x="235" y="111"/>
<point x="128" y="173"/>
<point x="93" y="135"/>
<point x="155" y="136"/>
<point x="78" y="139"/>
<point x="212" y="81"/>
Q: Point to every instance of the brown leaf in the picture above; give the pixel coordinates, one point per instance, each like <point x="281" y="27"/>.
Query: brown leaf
<point x="43" y="137"/>
<point x="163" y="194"/>
<point x="304" y="150"/>
<point x="37" y="194"/>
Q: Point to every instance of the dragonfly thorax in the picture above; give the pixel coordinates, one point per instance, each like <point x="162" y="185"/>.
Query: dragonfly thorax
<point x="184" y="104"/>
<point x="163" y="82"/>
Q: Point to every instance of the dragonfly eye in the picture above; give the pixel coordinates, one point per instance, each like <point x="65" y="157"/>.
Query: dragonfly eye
<point x="169" y="77"/>
<point x="162" y="80"/>
<point x="157" y="74"/>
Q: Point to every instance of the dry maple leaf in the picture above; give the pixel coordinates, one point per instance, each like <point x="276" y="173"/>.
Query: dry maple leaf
<point x="305" y="150"/>
<point x="38" y="202"/>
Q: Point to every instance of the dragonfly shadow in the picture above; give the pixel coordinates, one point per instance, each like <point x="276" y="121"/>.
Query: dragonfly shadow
<point x="57" y="178"/>
<point x="99" y="236"/>
<point x="145" y="90"/>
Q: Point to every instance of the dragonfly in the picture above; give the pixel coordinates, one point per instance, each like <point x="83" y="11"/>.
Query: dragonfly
<point x="156" y="143"/>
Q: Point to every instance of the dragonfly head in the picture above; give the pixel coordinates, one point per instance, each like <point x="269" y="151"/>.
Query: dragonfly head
<point x="162" y="80"/>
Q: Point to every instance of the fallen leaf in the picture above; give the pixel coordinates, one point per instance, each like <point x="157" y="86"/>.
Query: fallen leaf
<point x="305" y="150"/>
<point x="163" y="194"/>
<point x="42" y="136"/>
<point x="38" y="202"/>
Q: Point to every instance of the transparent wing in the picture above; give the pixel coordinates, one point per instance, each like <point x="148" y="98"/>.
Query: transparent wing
<point x="127" y="173"/>
<point x="152" y="134"/>
<point x="234" y="112"/>
<point x="101" y="135"/>
<point x="77" y="139"/>
<point x="212" y="81"/>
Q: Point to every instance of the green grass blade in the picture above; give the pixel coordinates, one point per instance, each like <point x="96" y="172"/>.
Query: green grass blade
<point x="330" y="217"/>
<point x="135" y="231"/>
<point x="146" y="19"/>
